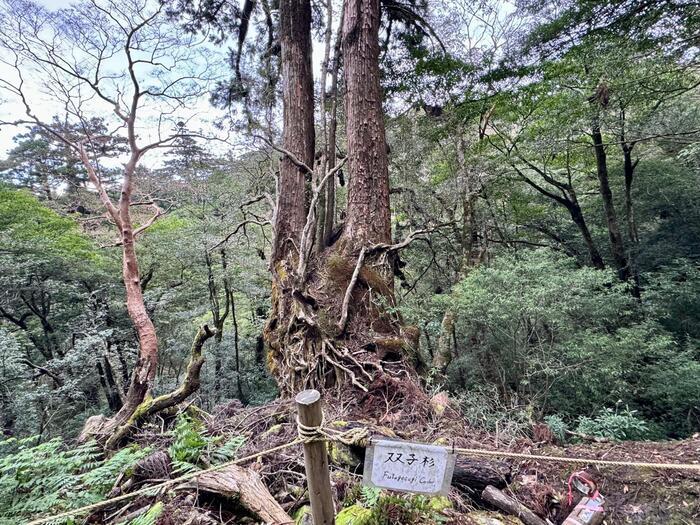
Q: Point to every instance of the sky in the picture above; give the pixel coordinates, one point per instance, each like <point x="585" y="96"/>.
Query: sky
<point x="11" y="107"/>
<point x="466" y="31"/>
<point x="45" y="106"/>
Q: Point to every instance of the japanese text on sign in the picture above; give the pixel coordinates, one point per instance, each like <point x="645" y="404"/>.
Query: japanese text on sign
<point x="409" y="467"/>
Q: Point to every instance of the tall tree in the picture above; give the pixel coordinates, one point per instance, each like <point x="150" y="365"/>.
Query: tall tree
<point x="298" y="125"/>
<point x="145" y="55"/>
<point x="368" y="211"/>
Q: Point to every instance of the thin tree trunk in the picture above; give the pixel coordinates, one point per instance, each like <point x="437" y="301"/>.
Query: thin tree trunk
<point x="617" y="245"/>
<point x="580" y="222"/>
<point x="632" y="232"/>
<point x="331" y="134"/>
<point x="443" y="354"/>
<point x="236" y="348"/>
<point x="106" y="373"/>
<point x="629" y="166"/>
<point x="146" y="365"/>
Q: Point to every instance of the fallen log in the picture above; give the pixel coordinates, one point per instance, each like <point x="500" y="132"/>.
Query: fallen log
<point x="474" y="475"/>
<point x="511" y="506"/>
<point x="246" y="487"/>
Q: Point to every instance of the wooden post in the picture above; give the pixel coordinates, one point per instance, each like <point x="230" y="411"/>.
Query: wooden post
<point x="316" y="460"/>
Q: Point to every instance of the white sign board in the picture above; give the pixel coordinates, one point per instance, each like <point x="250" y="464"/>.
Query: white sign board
<point x="408" y="467"/>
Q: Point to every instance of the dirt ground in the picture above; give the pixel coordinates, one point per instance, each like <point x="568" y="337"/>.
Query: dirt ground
<point x="633" y="495"/>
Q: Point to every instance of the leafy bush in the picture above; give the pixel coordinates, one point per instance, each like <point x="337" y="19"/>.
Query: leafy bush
<point x="558" y="427"/>
<point x="614" y="424"/>
<point x="537" y="331"/>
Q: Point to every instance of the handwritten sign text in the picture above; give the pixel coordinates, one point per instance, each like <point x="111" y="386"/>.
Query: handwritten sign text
<point x="408" y="467"/>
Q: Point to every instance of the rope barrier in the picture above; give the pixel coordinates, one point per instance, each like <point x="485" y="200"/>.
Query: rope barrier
<point x="581" y="461"/>
<point x="357" y="436"/>
<point x="353" y="436"/>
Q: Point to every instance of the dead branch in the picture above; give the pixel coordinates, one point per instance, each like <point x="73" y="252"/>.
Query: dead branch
<point x="236" y="230"/>
<point x="307" y="235"/>
<point x="511" y="506"/>
<point x="295" y="160"/>
<point x="348" y="292"/>
<point x="151" y="406"/>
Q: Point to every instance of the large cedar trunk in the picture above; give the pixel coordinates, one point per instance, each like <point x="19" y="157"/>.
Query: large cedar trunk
<point x="368" y="212"/>
<point x="298" y="122"/>
<point x="329" y="325"/>
<point x="290" y="213"/>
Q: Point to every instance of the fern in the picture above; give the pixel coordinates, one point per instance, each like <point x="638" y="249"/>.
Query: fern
<point x="227" y="451"/>
<point x="370" y="496"/>
<point x="192" y="447"/>
<point x="47" y="478"/>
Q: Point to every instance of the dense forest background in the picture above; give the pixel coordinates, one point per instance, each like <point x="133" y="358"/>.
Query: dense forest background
<point x="548" y="152"/>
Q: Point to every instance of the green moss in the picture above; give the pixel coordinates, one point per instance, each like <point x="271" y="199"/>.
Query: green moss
<point x="439" y="503"/>
<point x="303" y="516"/>
<point x="353" y="515"/>
<point x="341" y="454"/>
<point x="393" y="509"/>
<point x="390" y="344"/>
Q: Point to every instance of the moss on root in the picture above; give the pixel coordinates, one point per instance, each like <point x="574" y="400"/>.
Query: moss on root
<point x="397" y="510"/>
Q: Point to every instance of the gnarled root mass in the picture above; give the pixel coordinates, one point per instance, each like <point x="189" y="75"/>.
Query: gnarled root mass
<point x="339" y="326"/>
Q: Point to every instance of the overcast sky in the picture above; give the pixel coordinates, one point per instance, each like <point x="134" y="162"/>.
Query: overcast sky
<point x="198" y="113"/>
<point x="11" y="108"/>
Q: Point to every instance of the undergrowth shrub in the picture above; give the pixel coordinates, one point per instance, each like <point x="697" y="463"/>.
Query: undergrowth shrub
<point x="558" y="427"/>
<point x="615" y="424"/>
<point x="372" y="506"/>
<point x="610" y="423"/>
<point x="485" y="410"/>
<point x="192" y="448"/>
<point x="48" y="478"/>
<point x="537" y="330"/>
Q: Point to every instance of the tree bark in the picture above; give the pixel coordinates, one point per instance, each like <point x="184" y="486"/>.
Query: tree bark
<point x="298" y="124"/>
<point x="145" y="369"/>
<point x="368" y="210"/>
<point x="617" y="245"/>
